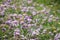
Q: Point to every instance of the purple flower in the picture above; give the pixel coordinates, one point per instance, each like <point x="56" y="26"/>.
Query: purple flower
<point x="57" y="18"/>
<point x="2" y="14"/>
<point x="50" y="19"/>
<point x="8" y="22"/>
<point x="15" y="23"/>
<point x="16" y="32"/>
<point x="1" y="8"/>
<point x="20" y="16"/>
<point x="27" y="17"/>
<point x="29" y="1"/>
<point x="24" y="9"/>
<point x="34" y="13"/>
<point x="24" y="26"/>
<point x="13" y="6"/>
<point x="29" y="20"/>
<point x="57" y="36"/>
<point x="36" y="32"/>
<point x="3" y="29"/>
<point x="29" y="25"/>
<point x="22" y="22"/>
<point x="9" y="0"/>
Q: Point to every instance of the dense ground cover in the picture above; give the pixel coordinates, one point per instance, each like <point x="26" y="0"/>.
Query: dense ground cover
<point x="29" y="20"/>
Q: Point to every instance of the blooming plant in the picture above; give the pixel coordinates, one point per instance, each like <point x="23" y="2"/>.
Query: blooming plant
<point x="29" y="20"/>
